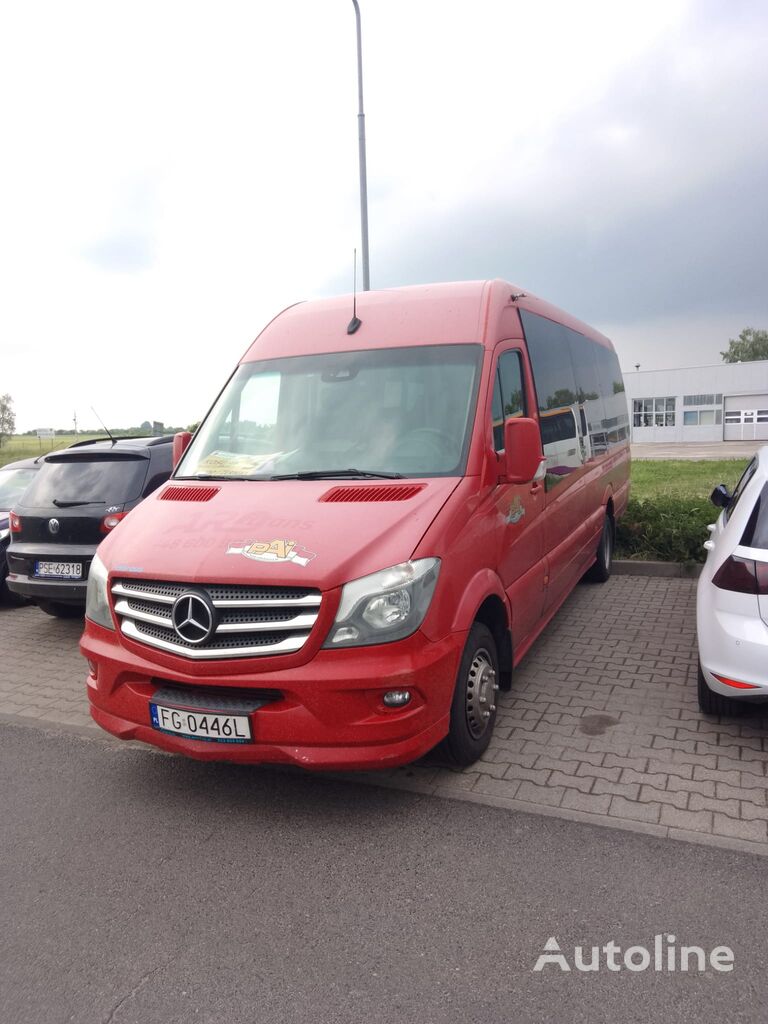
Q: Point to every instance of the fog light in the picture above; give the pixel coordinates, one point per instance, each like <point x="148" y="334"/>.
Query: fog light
<point x="397" y="698"/>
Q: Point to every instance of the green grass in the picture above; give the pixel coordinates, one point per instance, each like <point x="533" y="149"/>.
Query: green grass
<point x="23" y="447"/>
<point x="683" y="478"/>
<point x="669" y="508"/>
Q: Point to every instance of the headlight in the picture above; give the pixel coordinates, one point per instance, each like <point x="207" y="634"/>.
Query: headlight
<point x="387" y="605"/>
<point x="96" y="599"/>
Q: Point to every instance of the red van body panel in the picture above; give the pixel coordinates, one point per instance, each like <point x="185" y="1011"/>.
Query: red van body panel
<point x="509" y="553"/>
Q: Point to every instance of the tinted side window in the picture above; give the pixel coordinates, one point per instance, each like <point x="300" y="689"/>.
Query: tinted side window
<point x="557" y="395"/>
<point x="508" y="395"/>
<point x="497" y="414"/>
<point x="756" y="532"/>
<point x="551" y="362"/>
<point x="744" y="479"/>
<point x="588" y="390"/>
<point x="616" y="421"/>
<point x="512" y="390"/>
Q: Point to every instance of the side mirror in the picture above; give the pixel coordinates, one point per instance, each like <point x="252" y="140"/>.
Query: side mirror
<point x="180" y="445"/>
<point x="522" y="450"/>
<point x="720" y="496"/>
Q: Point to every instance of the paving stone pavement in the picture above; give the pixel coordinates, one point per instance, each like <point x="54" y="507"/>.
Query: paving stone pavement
<point x="601" y="724"/>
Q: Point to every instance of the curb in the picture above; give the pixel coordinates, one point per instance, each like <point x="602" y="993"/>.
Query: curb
<point x="670" y="570"/>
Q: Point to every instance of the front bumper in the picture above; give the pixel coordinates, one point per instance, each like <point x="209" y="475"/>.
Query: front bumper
<point x="63" y="591"/>
<point x="21" y="568"/>
<point x="330" y="714"/>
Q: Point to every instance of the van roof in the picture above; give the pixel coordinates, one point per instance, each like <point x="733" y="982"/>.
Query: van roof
<point x="440" y="314"/>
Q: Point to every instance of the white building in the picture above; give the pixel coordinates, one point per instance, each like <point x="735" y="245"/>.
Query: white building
<point x="723" y="402"/>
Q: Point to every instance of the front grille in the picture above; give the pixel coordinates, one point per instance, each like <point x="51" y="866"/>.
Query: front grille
<point x="251" y="621"/>
<point x="217" y="700"/>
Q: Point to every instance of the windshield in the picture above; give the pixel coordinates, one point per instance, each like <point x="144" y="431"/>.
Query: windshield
<point x="400" y="412"/>
<point x="13" y="483"/>
<point x="80" y="481"/>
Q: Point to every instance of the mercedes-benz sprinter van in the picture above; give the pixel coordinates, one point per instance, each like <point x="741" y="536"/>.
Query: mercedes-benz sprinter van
<point x="376" y="519"/>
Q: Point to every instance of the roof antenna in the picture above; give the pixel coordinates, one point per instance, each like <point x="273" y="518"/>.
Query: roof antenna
<point x="354" y="323"/>
<point x="101" y="421"/>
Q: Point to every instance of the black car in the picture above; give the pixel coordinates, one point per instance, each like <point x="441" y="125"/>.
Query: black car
<point x="15" y="478"/>
<point x="76" y="498"/>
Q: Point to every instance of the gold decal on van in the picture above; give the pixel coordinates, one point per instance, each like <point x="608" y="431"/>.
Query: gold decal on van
<point x="272" y="551"/>
<point x="516" y="511"/>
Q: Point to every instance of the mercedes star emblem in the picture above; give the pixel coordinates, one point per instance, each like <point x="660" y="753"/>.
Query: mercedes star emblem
<point x="193" y="618"/>
<point x="53" y="525"/>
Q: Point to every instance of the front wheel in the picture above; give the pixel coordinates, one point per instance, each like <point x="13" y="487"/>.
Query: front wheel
<point x="601" y="570"/>
<point x="473" y="710"/>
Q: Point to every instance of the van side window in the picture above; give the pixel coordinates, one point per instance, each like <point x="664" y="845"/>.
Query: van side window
<point x="582" y="405"/>
<point x="508" y="395"/>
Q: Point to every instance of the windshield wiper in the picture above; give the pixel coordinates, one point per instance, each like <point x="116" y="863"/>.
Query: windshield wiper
<point x="330" y="474"/>
<point x="73" y="504"/>
<point x="211" y="476"/>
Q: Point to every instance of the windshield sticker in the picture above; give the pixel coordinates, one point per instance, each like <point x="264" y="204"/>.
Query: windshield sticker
<point x="234" y="463"/>
<point x="273" y="551"/>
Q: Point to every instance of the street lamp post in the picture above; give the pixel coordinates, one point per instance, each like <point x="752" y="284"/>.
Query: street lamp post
<point x="361" y="147"/>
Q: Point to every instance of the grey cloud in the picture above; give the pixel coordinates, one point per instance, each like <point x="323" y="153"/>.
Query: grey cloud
<point x="682" y="229"/>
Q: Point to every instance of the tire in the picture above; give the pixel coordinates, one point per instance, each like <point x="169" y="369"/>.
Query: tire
<point x="601" y="570"/>
<point x="61" y="611"/>
<point x="473" y="709"/>
<point x="711" y="703"/>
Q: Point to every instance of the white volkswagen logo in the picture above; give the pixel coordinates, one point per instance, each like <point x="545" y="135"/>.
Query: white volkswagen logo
<point x="53" y="525"/>
<point x="193" y="618"/>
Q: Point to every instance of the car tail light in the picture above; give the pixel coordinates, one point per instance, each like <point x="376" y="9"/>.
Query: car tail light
<point x="742" y="575"/>
<point x="108" y="523"/>
<point x="735" y="683"/>
<point x="15" y="522"/>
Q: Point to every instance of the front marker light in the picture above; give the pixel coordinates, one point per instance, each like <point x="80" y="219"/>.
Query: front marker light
<point x="96" y="597"/>
<point x="385" y="606"/>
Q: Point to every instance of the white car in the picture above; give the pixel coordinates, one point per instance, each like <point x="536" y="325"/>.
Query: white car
<point x="732" y="597"/>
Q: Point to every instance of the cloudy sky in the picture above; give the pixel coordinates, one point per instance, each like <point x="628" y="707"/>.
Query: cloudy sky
<point x="174" y="174"/>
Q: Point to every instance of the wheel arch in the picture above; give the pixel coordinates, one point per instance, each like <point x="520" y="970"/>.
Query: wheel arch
<point x="484" y="601"/>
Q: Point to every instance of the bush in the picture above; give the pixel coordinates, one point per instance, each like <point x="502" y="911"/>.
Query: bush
<point x="665" y="529"/>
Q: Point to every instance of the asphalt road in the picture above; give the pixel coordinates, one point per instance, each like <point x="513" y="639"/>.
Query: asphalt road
<point x="138" y="887"/>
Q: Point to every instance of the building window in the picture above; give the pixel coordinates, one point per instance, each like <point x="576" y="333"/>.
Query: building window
<point x="704" y="417"/>
<point x="653" y="412"/>
<point x="702" y="399"/>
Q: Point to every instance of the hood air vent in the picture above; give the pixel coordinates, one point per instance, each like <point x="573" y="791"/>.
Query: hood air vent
<point x="376" y="492"/>
<point x="188" y="493"/>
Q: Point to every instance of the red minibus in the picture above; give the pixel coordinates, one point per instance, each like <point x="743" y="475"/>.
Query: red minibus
<point x="376" y="519"/>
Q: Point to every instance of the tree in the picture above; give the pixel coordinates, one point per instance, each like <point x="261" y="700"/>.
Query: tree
<point x="751" y="345"/>
<point x="7" y="417"/>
